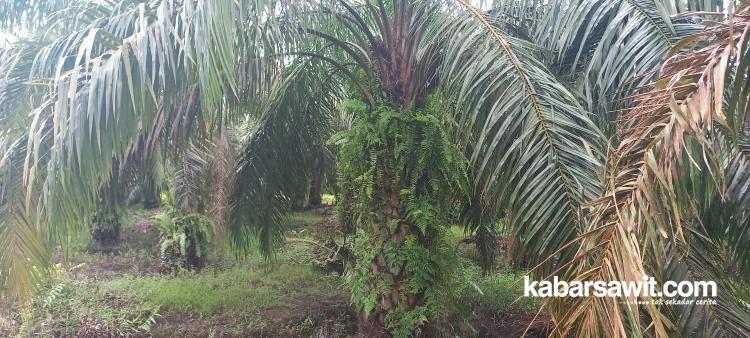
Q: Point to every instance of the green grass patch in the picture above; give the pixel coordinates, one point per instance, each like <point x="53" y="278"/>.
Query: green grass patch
<point x="299" y="219"/>
<point x="69" y="307"/>
<point x="238" y="289"/>
<point x="501" y="292"/>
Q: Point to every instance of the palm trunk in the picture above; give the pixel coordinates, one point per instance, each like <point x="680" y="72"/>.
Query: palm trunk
<point x="399" y="216"/>
<point x="151" y="199"/>
<point x="151" y="192"/>
<point x="315" y="196"/>
<point x="399" y="297"/>
<point x="344" y="210"/>
<point x="397" y="261"/>
<point x="105" y="227"/>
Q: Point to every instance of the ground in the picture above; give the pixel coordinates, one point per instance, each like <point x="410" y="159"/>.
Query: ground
<point x="118" y="291"/>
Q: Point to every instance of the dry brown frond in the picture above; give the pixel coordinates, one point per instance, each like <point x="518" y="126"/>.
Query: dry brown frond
<point x="674" y="125"/>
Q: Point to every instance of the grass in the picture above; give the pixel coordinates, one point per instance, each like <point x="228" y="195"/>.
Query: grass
<point x="232" y="294"/>
<point x="500" y="292"/>
<point x="301" y="219"/>
<point x="119" y="291"/>
<point x="70" y="307"/>
<point x="246" y="288"/>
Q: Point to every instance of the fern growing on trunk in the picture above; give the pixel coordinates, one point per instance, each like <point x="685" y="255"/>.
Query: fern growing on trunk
<point x="404" y="171"/>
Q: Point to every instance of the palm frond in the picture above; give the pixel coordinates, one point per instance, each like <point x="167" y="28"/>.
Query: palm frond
<point x="104" y="87"/>
<point x="726" y="219"/>
<point x="534" y="149"/>
<point x="189" y="183"/>
<point x="704" y="260"/>
<point x="279" y="150"/>
<point x="668" y="141"/>
<point x="16" y="14"/>
<point x="105" y="80"/>
<point x="25" y="255"/>
<point x="615" y="44"/>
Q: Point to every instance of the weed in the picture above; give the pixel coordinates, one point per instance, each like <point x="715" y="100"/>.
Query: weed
<point x="184" y="239"/>
<point x="304" y="326"/>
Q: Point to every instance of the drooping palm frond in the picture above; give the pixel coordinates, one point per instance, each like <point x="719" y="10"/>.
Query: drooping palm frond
<point x="710" y="251"/>
<point x="705" y="260"/>
<point x="188" y="184"/>
<point x="535" y="151"/>
<point x="46" y="21"/>
<point x="16" y="14"/>
<point x="14" y="96"/>
<point x="725" y="217"/>
<point x="669" y="142"/>
<point x="104" y="88"/>
<point x="279" y="149"/>
<point x="25" y="255"/>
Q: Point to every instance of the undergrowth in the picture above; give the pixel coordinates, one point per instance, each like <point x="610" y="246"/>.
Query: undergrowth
<point x="69" y="306"/>
<point x="231" y="295"/>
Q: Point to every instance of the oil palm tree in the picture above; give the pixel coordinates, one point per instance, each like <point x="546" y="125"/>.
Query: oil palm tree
<point x="504" y="108"/>
<point x="413" y="113"/>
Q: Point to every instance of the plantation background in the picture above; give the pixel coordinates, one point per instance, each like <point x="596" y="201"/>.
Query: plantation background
<point x="375" y="168"/>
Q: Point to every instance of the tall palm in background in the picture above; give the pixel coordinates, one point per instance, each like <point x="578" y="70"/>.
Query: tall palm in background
<point x="610" y="135"/>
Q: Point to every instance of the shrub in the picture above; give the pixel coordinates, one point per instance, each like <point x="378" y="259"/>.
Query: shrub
<point x="184" y="240"/>
<point x="105" y="227"/>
